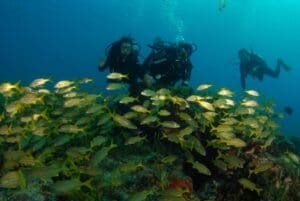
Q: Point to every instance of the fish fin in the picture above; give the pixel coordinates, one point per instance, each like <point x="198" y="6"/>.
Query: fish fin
<point x="44" y="114"/>
<point x="22" y="180"/>
<point x="88" y="184"/>
<point x="258" y="190"/>
<point x="18" y="87"/>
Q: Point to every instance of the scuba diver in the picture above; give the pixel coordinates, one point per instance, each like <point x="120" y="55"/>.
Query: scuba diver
<point x="289" y="110"/>
<point x="122" y="57"/>
<point x="252" y="64"/>
<point x="168" y="63"/>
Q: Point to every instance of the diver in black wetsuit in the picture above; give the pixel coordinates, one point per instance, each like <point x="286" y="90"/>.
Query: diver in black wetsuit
<point x="122" y="57"/>
<point x="168" y="63"/>
<point x="252" y="64"/>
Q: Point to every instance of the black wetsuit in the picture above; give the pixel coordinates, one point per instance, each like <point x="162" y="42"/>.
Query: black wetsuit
<point x="256" y="67"/>
<point x="128" y="65"/>
<point x="117" y="63"/>
<point x="166" y="66"/>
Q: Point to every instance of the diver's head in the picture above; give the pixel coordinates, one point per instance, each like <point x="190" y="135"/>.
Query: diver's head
<point x="127" y="46"/>
<point x="126" y="49"/>
<point x="185" y="49"/>
<point x="244" y="55"/>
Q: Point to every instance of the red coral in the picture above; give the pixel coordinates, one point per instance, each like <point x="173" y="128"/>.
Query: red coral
<point x="182" y="183"/>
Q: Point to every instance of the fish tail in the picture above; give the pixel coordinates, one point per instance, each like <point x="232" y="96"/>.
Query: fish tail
<point x="219" y="155"/>
<point x="44" y="114"/>
<point x="258" y="190"/>
<point x="18" y="87"/>
<point x="22" y="180"/>
<point x="250" y="173"/>
<point x="112" y="145"/>
<point x="41" y="99"/>
<point x="50" y="78"/>
<point x="10" y="128"/>
<point x="88" y="184"/>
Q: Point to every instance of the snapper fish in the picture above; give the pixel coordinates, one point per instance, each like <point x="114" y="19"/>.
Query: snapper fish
<point x="131" y="167"/>
<point x="39" y="131"/>
<point x="169" y="124"/>
<point x="95" y="109"/>
<point x="13" y="108"/>
<point x="148" y="93"/>
<point x="101" y="154"/>
<point x="293" y="157"/>
<point x="73" y="102"/>
<point x="45" y="172"/>
<point x="149" y="119"/>
<point x="261" y="167"/>
<point x="2" y="116"/>
<point x="229" y="102"/>
<point x="206" y="105"/>
<point x="209" y="116"/>
<point x="140" y="109"/>
<point x="39" y="82"/>
<point x="97" y="141"/>
<point x="186" y="131"/>
<point x="78" y="152"/>
<point x="7" y="87"/>
<point x="194" y="98"/>
<point x="85" y="81"/>
<point x="169" y="159"/>
<point x="134" y="140"/>
<point x="249" y="103"/>
<point x="252" y="92"/>
<point x="127" y="99"/>
<point x="70" y="95"/>
<point x="116" y="86"/>
<point x="201" y="168"/>
<point x="12" y="179"/>
<point x="164" y="113"/>
<point x="116" y="76"/>
<point x="69" y="128"/>
<point x="124" y="122"/>
<point x="63" y="84"/>
<point x="66" y="186"/>
<point x="131" y="115"/>
<point x="225" y="92"/>
<point x="235" y="142"/>
<point x="43" y="91"/>
<point x="163" y="91"/>
<point x="246" y="183"/>
<point x="6" y="129"/>
<point x="203" y="87"/>
<point x="31" y="98"/>
<point x="65" y="90"/>
<point x="142" y="195"/>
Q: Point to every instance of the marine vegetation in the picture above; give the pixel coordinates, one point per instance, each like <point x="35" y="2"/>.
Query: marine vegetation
<point x="62" y="142"/>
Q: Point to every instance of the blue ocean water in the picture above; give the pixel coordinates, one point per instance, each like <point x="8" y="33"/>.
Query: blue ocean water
<point x="64" y="39"/>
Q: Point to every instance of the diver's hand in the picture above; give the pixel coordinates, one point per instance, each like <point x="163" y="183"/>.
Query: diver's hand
<point x="101" y="64"/>
<point x="283" y="64"/>
<point x="185" y="82"/>
<point x="149" y="80"/>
